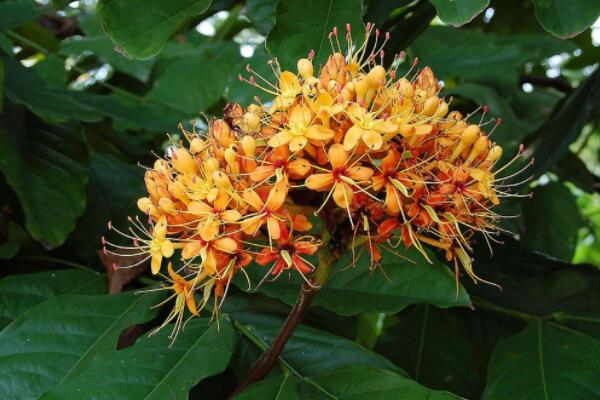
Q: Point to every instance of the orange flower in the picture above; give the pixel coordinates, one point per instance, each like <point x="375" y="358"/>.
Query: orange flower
<point x="342" y="179"/>
<point x="287" y="254"/>
<point x="299" y="130"/>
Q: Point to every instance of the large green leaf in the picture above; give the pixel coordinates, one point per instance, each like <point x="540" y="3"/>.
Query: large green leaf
<point x="304" y="25"/>
<point x="151" y="369"/>
<point x="15" y="12"/>
<point x="552" y="202"/>
<point x="312" y="351"/>
<point x="566" y="18"/>
<point x="351" y="383"/>
<point x="437" y="349"/>
<point x="262" y="14"/>
<point x="102" y="47"/>
<point x="459" y="12"/>
<point x="140" y="28"/>
<point x="541" y="286"/>
<point x="20" y="292"/>
<point x="354" y="290"/>
<point x="566" y="123"/>
<point x="192" y="84"/>
<point x="112" y="193"/>
<point x="56" y="340"/>
<point x="47" y="166"/>
<point x="57" y="104"/>
<point x="543" y="362"/>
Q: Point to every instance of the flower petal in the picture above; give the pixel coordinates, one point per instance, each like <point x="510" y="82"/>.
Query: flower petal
<point x="342" y="194"/>
<point x="319" y="182"/>
<point x="360" y="173"/>
<point x="337" y="156"/>
<point x="282" y="138"/>
<point x="352" y="137"/>
<point x="298" y="143"/>
<point x="319" y="132"/>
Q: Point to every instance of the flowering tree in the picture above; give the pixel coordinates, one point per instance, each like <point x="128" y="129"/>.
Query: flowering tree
<point x="351" y="210"/>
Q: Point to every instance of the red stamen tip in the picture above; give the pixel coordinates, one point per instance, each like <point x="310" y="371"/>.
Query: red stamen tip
<point x="415" y="62"/>
<point x="129" y="218"/>
<point x="270" y="62"/>
<point x="115" y="267"/>
<point x="103" y="240"/>
<point x="485" y="109"/>
<point x="252" y="80"/>
<point x="348" y="28"/>
<point x="109" y="225"/>
<point x="377" y="32"/>
<point x="335" y="31"/>
<point x="248" y="68"/>
<point x="402" y="55"/>
<point x="388" y="36"/>
<point x="311" y="54"/>
<point x="499" y="121"/>
<point x="240" y="77"/>
<point x="521" y="147"/>
<point x="257" y="99"/>
<point x="104" y="250"/>
<point x="368" y="27"/>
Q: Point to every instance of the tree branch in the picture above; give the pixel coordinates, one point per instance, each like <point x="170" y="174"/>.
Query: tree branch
<point x="307" y="294"/>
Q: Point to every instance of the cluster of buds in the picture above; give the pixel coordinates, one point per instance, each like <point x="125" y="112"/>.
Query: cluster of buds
<point x="376" y="158"/>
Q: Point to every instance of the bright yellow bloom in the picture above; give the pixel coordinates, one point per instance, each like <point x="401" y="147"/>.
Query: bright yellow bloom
<point x="299" y="130"/>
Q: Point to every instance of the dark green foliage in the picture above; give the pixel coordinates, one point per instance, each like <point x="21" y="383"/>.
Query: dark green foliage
<point x="88" y="93"/>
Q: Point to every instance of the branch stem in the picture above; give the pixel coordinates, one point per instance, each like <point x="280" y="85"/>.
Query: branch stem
<point x="307" y="294"/>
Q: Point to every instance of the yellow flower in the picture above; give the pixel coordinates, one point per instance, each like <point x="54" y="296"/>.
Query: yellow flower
<point x="160" y="246"/>
<point x="289" y="88"/>
<point x="299" y="130"/>
<point x="367" y="127"/>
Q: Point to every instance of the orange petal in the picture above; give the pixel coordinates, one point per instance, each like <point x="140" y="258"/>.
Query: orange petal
<point x="319" y="132"/>
<point x="288" y="83"/>
<point x="299" y="168"/>
<point x="301" y="223"/>
<point x="228" y="245"/>
<point x="262" y="172"/>
<point x="277" y="195"/>
<point x="231" y="215"/>
<point x="319" y="182"/>
<point x="373" y="140"/>
<point x="167" y="248"/>
<point x="360" y="173"/>
<point x="253" y="199"/>
<point x="156" y="262"/>
<point x="342" y="195"/>
<point x="352" y="137"/>
<point x="282" y="138"/>
<point x="273" y="228"/>
<point x="191" y="249"/>
<point x="199" y="208"/>
<point x="301" y="115"/>
<point x="209" y="231"/>
<point x="298" y="143"/>
<point x="337" y="156"/>
<point x="251" y="225"/>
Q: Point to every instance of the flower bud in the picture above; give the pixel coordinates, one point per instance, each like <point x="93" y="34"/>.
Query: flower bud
<point x="197" y="145"/>
<point x="183" y="162"/>
<point x="376" y="76"/>
<point x="305" y="68"/>
<point x="248" y="146"/>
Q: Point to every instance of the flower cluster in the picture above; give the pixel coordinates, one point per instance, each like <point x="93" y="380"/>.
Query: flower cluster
<point x="377" y="158"/>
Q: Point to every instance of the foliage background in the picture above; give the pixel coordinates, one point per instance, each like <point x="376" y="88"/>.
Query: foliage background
<point x="88" y="90"/>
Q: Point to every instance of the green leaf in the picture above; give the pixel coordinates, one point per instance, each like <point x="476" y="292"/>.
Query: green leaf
<point x="541" y="286"/>
<point x="355" y="290"/>
<point x="47" y="166"/>
<point x="351" y="383"/>
<point x="112" y="194"/>
<point x="1" y="85"/>
<point x="566" y="18"/>
<point x="52" y="70"/>
<point x="21" y="292"/>
<point x="437" y="349"/>
<point x="304" y="25"/>
<point x="151" y="369"/>
<point x="566" y="123"/>
<point x="459" y="12"/>
<point x="102" y="47"/>
<point x="57" y="104"/>
<point x="193" y="84"/>
<point x="262" y="14"/>
<point x="243" y="92"/>
<point x="56" y="340"/>
<point x="15" y="12"/>
<point x="542" y="362"/>
<point x="552" y="203"/>
<point x="140" y="28"/>
<point x="15" y="237"/>
<point x="311" y="351"/>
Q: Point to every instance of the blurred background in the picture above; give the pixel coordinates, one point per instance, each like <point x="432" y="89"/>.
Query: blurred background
<point x="80" y="116"/>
